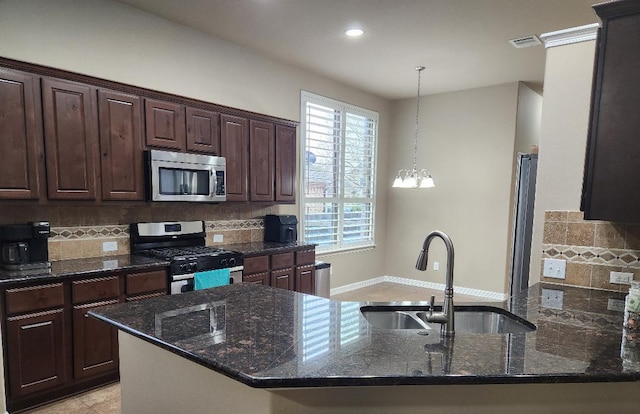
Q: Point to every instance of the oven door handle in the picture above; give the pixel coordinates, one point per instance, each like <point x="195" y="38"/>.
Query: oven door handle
<point x="176" y="278"/>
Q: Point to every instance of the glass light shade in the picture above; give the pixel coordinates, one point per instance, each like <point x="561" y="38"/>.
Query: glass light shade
<point x="427" y="182"/>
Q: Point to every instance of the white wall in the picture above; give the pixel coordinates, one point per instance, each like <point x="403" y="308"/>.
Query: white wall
<point x="467" y="142"/>
<point x="565" y="121"/>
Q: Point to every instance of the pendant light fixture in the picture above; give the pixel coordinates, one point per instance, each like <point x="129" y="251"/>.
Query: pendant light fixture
<point x="414" y="178"/>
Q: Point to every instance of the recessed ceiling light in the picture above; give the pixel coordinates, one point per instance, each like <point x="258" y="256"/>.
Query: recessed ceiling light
<point x="354" y="32"/>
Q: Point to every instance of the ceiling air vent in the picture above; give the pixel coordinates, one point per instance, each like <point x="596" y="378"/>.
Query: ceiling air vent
<point x="526" y="41"/>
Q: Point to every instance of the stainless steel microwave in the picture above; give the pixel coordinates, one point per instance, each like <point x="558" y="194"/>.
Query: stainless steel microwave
<point x="175" y="176"/>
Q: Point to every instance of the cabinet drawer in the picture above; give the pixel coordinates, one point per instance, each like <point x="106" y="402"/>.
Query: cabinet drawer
<point x="281" y="261"/>
<point x="256" y="264"/>
<point x="34" y="298"/>
<point x="91" y="290"/>
<point x="146" y="282"/>
<point x="305" y="257"/>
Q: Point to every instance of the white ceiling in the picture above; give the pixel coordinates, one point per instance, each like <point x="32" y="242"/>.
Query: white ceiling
<point x="463" y="43"/>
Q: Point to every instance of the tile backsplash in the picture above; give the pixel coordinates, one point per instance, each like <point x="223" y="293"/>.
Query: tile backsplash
<point x="591" y="248"/>
<point x="79" y="231"/>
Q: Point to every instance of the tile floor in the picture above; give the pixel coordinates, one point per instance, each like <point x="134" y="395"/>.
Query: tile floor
<point x="106" y="400"/>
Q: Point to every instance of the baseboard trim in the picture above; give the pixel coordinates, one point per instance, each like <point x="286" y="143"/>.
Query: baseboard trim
<point x="484" y="294"/>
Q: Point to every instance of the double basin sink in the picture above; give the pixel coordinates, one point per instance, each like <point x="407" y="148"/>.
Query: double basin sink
<point x="470" y="319"/>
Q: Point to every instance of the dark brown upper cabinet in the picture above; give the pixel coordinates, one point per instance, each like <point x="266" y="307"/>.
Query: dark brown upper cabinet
<point x="203" y="131"/>
<point x="71" y="139"/>
<point x="20" y="143"/>
<point x="165" y="123"/>
<point x="234" y="146"/>
<point x="285" y="164"/>
<point x="261" y="161"/>
<point x="120" y="117"/>
<point x="613" y="145"/>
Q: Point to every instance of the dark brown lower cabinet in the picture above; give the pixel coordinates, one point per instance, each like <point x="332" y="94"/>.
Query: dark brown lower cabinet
<point x="305" y="279"/>
<point x="292" y="270"/>
<point x="283" y="278"/>
<point x="257" y="278"/>
<point x="36" y="351"/>
<point x="52" y="347"/>
<point x="95" y="343"/>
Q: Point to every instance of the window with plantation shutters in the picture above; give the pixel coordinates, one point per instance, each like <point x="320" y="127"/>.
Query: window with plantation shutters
<point x="338" y="173"/>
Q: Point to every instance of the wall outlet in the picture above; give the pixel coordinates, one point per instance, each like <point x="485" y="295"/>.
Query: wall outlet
<point x="110" y="246"/>
<point x="622" y="278"/>
<point x="217" y="238"/>
<point x="552" y="298"/>
<point x="615" y="305"/>
<point x="436" y="265"/>
<point x="555" y="268"/>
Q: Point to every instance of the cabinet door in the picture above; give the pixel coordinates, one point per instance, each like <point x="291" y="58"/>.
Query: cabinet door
<point x="234" y="145"/>
<point x="35" y="352"/>
<point x="305" y="279"/>
<point x="613" y="146"/>
<point x="19" y="143"/>
<point x="165" y="125"/>
<point x="71" y="139"/>
<point x="283" y="279"/>
<point x="120" y="117"/>
<point x="203" y="131"/>
<point x="95" y="343"/>
<point x="263" y="278"/>
<point x="261" y="164"/>
<point x="285" y="164"/>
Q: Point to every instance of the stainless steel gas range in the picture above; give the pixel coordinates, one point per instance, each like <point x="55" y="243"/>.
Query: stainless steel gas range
<point x="182" y="243"/>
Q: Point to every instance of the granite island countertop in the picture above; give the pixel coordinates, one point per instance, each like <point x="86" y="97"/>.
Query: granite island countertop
<point x="270" y="338"/>
<point x="63" y="269"/>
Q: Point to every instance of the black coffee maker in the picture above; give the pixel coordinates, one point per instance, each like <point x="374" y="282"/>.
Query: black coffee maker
<point x="25" y="246"/>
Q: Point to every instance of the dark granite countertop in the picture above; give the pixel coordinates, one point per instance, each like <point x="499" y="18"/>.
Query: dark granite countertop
<point x="260" y="248"/>
<point x="63" y="269"/>
<point x="269" y="338"/>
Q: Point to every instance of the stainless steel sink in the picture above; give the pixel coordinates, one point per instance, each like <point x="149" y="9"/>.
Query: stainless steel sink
<point x="468" y="319"/>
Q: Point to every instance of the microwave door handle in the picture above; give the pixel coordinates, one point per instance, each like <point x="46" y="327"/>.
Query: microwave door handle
<point x="213" y="183"/>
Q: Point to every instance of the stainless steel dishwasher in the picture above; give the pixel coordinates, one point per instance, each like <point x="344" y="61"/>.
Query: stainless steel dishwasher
<point x="323" y="279"/>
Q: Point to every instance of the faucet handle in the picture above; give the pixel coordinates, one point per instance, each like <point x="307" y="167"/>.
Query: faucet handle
<point x="431" y="302"/>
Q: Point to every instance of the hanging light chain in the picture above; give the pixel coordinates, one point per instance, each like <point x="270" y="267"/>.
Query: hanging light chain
<point x="415" y="138"/>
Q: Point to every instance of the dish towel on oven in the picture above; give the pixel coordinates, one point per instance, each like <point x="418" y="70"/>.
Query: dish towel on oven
<point x="211" y="278"/>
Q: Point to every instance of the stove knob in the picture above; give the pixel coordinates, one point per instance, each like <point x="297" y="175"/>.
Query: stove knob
<point x="223" y="262"/>
<point x="232" y="261"/>
<point x="184" y="267"/>
<point x="193" y="266"/>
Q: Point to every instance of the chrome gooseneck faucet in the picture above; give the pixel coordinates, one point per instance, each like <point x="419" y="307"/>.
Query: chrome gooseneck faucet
<point x="446" y="316"/>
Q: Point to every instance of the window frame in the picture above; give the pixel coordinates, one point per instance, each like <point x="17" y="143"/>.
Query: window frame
<point x="340" y="200"/>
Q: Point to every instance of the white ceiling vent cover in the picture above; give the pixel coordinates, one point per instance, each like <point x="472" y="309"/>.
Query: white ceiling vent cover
<point x="526" y="41"/>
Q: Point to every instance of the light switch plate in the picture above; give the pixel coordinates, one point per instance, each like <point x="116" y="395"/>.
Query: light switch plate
<point x="217" y="238"/>
<point x="555" y="268"/>
<point x="436" y="265"/>
<point x="552" y="298"/>
<point x="110" y="246"/>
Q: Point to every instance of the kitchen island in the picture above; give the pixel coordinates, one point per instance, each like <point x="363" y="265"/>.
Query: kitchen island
<point x="246" y="348"/>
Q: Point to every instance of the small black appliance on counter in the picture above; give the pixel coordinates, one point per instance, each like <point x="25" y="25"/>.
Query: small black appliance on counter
<point x="25" y="246"/>
<point x="281" y="229"/>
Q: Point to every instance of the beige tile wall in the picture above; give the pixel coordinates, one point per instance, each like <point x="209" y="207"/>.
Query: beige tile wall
<point x="591" y="248"/>
<point x="80" y="230"/>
